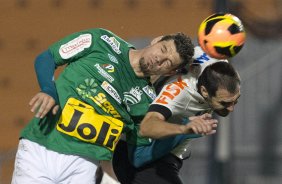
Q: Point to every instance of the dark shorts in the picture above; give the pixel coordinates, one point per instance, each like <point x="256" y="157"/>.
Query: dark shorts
<point x="163" y="171"/>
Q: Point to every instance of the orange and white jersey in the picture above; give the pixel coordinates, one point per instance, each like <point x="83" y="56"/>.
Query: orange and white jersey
<point x="179" y="99"/>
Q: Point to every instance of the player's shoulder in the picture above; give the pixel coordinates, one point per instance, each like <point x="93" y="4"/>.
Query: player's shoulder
<point x="182" y="80"/>
<point x="201" y="60"/>
<point x="97" y="31"/>
<point x="175" y="87"/>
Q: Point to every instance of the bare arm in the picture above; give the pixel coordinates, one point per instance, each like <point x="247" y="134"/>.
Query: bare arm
<point x="155" y="126"/>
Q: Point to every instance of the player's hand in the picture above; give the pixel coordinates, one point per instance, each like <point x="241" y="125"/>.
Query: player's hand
<point x="42" y="103"/>
<point x="203" y="125"/>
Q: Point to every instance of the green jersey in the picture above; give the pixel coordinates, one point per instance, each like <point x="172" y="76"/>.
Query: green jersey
<point x="97" y="80"/>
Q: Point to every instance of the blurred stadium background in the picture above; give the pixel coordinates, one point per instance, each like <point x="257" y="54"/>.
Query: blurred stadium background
<point x="248" y="146"/>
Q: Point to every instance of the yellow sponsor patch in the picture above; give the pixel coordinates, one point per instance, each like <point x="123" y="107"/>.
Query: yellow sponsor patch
<point x="81" y="121"/>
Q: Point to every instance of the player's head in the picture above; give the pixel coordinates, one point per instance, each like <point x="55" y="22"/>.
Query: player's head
<point x="166" y="54"/>
<point x="219" y="84"/>
<point x="184" y="47"/>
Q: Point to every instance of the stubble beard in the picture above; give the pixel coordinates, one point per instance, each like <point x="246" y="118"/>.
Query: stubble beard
<point x="144" y="67"/>
<point x="222" y="112"/>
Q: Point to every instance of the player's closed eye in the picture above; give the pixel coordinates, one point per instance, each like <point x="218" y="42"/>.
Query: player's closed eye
<point x="163" y="49"/>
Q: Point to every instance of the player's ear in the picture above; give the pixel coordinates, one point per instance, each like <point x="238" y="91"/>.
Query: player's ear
<point x="157" y="39"/>
<point x="204" y="92"/>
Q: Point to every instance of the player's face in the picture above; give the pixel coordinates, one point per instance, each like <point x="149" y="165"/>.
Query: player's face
<point x="160" y="58"/>
<point x="224" y="102"/>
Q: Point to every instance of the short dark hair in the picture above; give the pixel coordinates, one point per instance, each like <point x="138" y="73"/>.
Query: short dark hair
<point x="219" y="75"/>
<point x="184" y="46"/>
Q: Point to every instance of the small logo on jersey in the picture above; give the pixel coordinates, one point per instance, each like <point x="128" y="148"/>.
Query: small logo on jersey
<point x="109" y="68"/>
<point x="132" y="97"/>
<point x="75" y="46"/>
<point x="104" y="73"/>
<point x="101" y="100"/>
<point x="171" y="91"/>
<point x="201" y="59"/>
<point x="112" y="42"/>
<point x="86" y="89"/>
<point x="111" y="91"/>
<point x="150" y="92"/>
<point x="113" y="58"/>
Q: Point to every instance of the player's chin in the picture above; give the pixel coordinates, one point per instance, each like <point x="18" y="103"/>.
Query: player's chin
<point x="222" y="112"/>
<point x="145" y="70"/>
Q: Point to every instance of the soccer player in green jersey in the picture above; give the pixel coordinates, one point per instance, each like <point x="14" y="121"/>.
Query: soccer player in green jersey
<point x="103" y="91"/>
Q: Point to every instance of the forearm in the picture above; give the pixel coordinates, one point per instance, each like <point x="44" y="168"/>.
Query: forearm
<point x="157" y="128"/>
<point x="45" y="68"/>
